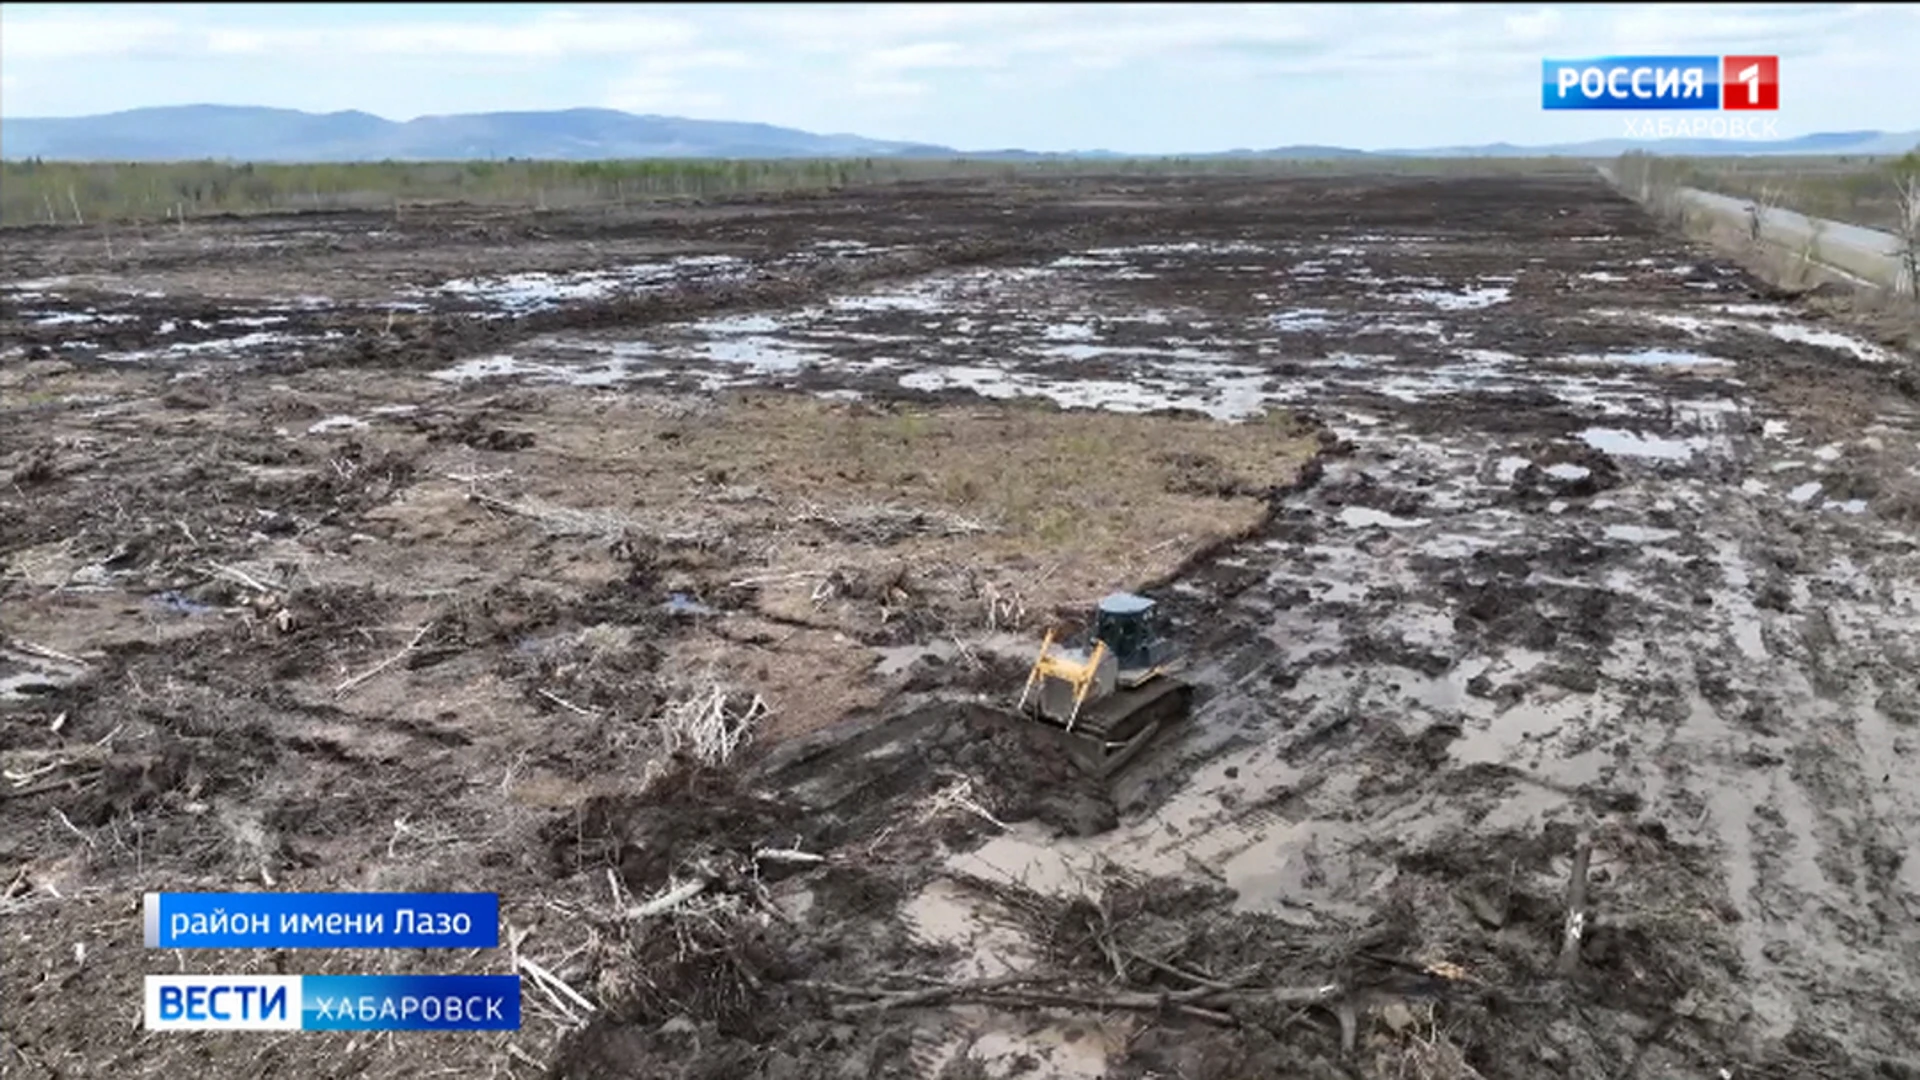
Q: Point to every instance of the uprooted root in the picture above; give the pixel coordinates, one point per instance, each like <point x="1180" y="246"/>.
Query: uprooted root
<point x="1210" y="992"/>
<point x="709" y="725"/>
<point x="700" y="952"/>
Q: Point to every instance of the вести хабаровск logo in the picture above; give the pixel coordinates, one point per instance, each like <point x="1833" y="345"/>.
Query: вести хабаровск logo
<point x="290" y="920"/>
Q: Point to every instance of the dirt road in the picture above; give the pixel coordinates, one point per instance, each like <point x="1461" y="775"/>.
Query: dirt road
<point x="347" y="552"/>
<point x="1867" y="255"/>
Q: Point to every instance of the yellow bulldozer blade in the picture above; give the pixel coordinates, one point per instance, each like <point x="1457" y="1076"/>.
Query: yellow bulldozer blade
<point x="1062" y="682"/>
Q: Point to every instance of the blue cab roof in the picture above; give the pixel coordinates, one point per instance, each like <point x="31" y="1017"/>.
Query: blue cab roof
<point x="1122" y="603"/>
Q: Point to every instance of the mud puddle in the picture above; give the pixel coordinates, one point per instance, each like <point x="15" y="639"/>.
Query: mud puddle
<point x="536" y="291"/>
<point x="1069" y="331"/>
<point x="1606" y="620"/>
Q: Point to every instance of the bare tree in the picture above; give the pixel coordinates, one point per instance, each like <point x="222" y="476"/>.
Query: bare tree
<point x="1759" y="210"/>
<point x="1907" y="196"/>
<point x="1804" y="273"/>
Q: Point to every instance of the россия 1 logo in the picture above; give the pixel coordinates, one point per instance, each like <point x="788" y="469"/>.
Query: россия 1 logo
<point x="1734" y="83"/>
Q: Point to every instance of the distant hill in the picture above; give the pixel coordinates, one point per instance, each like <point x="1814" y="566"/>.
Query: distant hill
<point x="251" y="133"/>
<point x="1838" y="142"/>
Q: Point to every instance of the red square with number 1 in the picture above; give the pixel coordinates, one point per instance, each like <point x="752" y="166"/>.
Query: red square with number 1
<point x="1750" y="82"/>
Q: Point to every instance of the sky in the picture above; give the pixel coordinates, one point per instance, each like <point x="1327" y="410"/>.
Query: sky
<point x="1142" y="78"/>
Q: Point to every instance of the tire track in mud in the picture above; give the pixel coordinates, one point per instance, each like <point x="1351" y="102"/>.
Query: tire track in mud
<point x="78" y="323"/>
<point x="450" y="338"/>
<point x="1561" y="570"/>
<point x="1452" y="637"/>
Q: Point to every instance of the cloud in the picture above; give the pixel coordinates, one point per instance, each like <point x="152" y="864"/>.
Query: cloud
<point x="1049" y="75"/>
<point x="239" y="42"/>
<point x="877" y="40"/>
<point x="661" y="93"/>
<point x="926" y="54"/>
<point x="60" y="38"/>
<point x="890" y="89"/>
<point x="660" y="85"/>
<point x="859" y="28"/>
<point x="553" y="35"/>
<point x="1195" y="30"/>
<point x="1714" y="29"/>
<point x="1534" y="26"/>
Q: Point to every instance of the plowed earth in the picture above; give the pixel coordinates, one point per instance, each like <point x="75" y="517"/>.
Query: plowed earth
<point x="345" y="552"/>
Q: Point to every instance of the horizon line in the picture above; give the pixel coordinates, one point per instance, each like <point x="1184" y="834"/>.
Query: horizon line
<point x="954" y="151"/>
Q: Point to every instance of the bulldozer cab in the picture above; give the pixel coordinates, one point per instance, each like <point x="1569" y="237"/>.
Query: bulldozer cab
<point x="1112" y="686"/>
<point x="1134" y="632"/>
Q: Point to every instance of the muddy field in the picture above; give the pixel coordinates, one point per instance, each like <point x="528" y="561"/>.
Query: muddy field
<point x="667" y="573"/>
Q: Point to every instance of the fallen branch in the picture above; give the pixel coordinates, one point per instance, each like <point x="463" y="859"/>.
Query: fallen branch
<point x="957" y="795"/>
<point x="384" y="664"/>
<point x="21" y="777"/>
<point x="1102" y="1004"/>
<point x="1180" y="973"/>
<point x="771" y="579"/>
<point x="567" y="705"/>
<point x="563" y="521"/>
<point x="240" y="577"/>
<point x="29" y="765"/>
<point x="899" y="999"/>
<point x="668" y="900"/>
<point x="827" y="587"/>
<point x="788" y="855"/>
<point x="885" y="523"/>
<point x="1576" y="923"/>
<point x="71" y="827"/>
<point x="74" y="782"/>
<point x="1019" y="990"/>
<point x="552" y="983"/>
<point x="478" y="478"/>
<point x="45" y="653"/>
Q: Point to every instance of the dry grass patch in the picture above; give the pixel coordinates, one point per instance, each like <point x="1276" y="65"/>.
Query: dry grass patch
<point x="805" y="532"/>
<point x="858" y="524"/>
<point x="1056" y="506"/>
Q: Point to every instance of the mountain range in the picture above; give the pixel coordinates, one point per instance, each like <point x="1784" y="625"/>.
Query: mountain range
<point x="252" y="133"/>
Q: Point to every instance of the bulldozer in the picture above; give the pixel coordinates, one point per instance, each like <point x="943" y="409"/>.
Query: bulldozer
<point x="1112" y="688"/>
